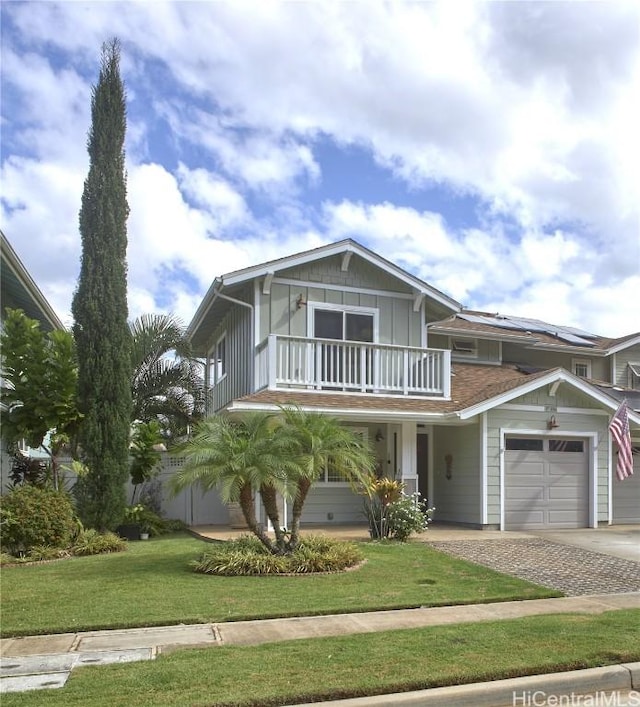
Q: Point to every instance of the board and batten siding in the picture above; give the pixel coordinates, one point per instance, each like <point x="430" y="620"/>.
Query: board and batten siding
<point x="622" y="374"/>
<point x="279" y="314"/>
<point x="238" y="326"/>
<point x="513" y="353"/>
<point x="457" y="499"/>
<point x="511" y="420"/>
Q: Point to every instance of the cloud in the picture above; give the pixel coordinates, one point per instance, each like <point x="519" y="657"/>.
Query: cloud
<point x="528" y="108"/>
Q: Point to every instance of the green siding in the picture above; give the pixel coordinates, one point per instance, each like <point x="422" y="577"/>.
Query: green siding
<point x="457" y="499"/>
<point x="623" y="358"/>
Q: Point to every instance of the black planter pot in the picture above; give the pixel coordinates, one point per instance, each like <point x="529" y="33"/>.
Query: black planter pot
<point x="129" y="531"/>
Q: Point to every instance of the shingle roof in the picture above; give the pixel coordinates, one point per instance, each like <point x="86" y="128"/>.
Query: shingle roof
<point x="470" y="385"/>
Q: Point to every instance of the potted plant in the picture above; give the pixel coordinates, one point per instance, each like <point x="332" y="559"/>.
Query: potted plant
<point x="131" y="528"/>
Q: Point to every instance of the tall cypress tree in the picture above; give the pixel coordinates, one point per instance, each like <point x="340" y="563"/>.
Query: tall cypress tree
<point x="100" y="305"/>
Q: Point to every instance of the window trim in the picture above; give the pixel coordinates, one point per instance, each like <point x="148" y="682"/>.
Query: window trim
<point x="224" y="360"/>
<point x="634" y="375"/>
<point x="575" y="362"/>
<point x="345" y="309"/>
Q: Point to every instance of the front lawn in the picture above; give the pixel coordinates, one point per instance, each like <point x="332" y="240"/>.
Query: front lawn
<point x="345" y="666"/>
<point x="152" y="584"/>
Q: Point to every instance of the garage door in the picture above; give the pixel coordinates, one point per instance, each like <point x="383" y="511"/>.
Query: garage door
<point x="546" y="483"/>
<point x="626" y="494"/>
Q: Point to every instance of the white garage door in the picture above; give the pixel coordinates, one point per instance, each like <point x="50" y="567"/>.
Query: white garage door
<point x="546" y="483"/>
<point x="626" y="494"/>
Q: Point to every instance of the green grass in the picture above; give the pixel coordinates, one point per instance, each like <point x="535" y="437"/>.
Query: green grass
<point x="346" y="666"/>
<point x="152" y="584"/>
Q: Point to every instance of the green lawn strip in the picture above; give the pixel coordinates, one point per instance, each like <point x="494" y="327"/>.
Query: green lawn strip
<point x="349" y="666"/>
<point x="151" y="584"/>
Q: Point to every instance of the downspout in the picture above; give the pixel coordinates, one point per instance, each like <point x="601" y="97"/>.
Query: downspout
<point x="218" y="293"/>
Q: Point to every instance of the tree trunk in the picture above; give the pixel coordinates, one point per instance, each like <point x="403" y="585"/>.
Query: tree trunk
<point x="303" y="489"/>
<point x="270" y="502"/>
<point x="248" y="509"/>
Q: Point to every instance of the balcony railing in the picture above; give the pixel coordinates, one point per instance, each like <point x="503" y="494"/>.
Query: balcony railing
<point x="291" y="362"/>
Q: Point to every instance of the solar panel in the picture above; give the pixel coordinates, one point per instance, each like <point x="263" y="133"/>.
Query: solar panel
<point x="570" y="335"/>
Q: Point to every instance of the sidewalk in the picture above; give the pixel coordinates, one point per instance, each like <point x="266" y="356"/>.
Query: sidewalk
<point x="36" y="662"/>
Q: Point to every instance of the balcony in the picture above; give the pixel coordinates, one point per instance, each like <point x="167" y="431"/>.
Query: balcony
<point x="291" y="362"/>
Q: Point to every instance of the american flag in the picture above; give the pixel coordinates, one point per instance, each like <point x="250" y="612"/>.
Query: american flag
<point x="619" y="428"/>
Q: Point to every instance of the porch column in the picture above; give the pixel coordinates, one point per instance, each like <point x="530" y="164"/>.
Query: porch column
<point x="408" y="456"/>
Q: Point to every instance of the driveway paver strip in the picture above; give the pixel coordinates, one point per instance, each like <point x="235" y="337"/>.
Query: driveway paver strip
<point x="569" y="569"/>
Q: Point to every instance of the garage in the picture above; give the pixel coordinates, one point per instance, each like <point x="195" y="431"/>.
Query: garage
<point x="546" y="483"/>
<point x="626" y="494"/>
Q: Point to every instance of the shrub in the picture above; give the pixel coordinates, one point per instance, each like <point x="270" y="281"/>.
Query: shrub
<point x="40" y="553"/>
<point x="409" y="514"/>
<point x="247" y="556"/>
<point x="91" y="542"/>
<point x="393" y="514"/>
<point x="31" y="516"/>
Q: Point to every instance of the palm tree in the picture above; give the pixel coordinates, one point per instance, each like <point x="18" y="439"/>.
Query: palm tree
<point x="321" y="442"/>
<point x="167" y="383"/>
<point x="240" y="457"/>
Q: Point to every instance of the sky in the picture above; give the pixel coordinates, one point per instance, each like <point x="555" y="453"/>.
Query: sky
<point x="490" y="148"/>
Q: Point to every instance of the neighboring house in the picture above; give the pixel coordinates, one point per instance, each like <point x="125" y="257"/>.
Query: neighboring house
<point x="19" y="291"/>
<point x="499" y="422"/>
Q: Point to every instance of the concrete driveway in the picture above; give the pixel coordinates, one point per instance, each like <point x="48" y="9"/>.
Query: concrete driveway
<point x="616" y="540"/>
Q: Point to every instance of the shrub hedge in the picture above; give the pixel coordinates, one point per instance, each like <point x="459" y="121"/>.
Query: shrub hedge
<point x="31" y="516"/>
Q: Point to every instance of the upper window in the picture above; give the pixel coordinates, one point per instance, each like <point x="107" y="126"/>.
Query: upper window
<point x="465" y="347"/>
<point x="581" y="367"/>
<point x="221" y="357"/>
<point x="343" y="325"/>
<point x="634" y="375"/>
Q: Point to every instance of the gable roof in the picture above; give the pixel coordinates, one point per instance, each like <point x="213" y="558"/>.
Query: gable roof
<point x="18" y="290"/>
<point x="533" y="333"/>
<point x="347" y="247"/>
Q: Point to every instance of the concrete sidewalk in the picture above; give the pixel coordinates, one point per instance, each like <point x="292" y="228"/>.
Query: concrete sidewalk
<point x="36" y="662"/>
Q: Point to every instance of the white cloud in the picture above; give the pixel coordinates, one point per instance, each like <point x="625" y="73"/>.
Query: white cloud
<point x="531" y="107"/>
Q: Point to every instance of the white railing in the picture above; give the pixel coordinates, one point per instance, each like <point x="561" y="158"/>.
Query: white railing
<point x="285" y="362"/>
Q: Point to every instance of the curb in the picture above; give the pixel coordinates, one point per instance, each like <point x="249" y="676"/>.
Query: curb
<point x="546" y="689"/>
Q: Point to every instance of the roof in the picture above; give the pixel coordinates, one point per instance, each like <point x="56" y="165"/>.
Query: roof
<point x="18" y="290"/>
<point x="234" y="282"/>
<point x="470" y="384"/>
<point x="533" y="333"/>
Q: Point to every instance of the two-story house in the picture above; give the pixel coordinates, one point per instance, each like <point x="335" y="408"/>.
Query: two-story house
<point x="499" y="422"/>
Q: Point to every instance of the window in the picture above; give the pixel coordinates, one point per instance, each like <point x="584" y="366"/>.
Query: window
<point x="344" y="365"/>
<point x="221" y="358"/>
<point x="581" y="367"/>
<point x="331" y="475"/>
<point x="566" y="445"/>
<point x="524" y="444"/>
<point x="465" y="347"/>
<point x="634" y="375"/>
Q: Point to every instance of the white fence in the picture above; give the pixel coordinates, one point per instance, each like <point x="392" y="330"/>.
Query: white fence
<point x="191" y="505"/>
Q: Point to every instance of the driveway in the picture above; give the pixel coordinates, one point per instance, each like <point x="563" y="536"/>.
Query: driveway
<point x="575" y="562"/>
